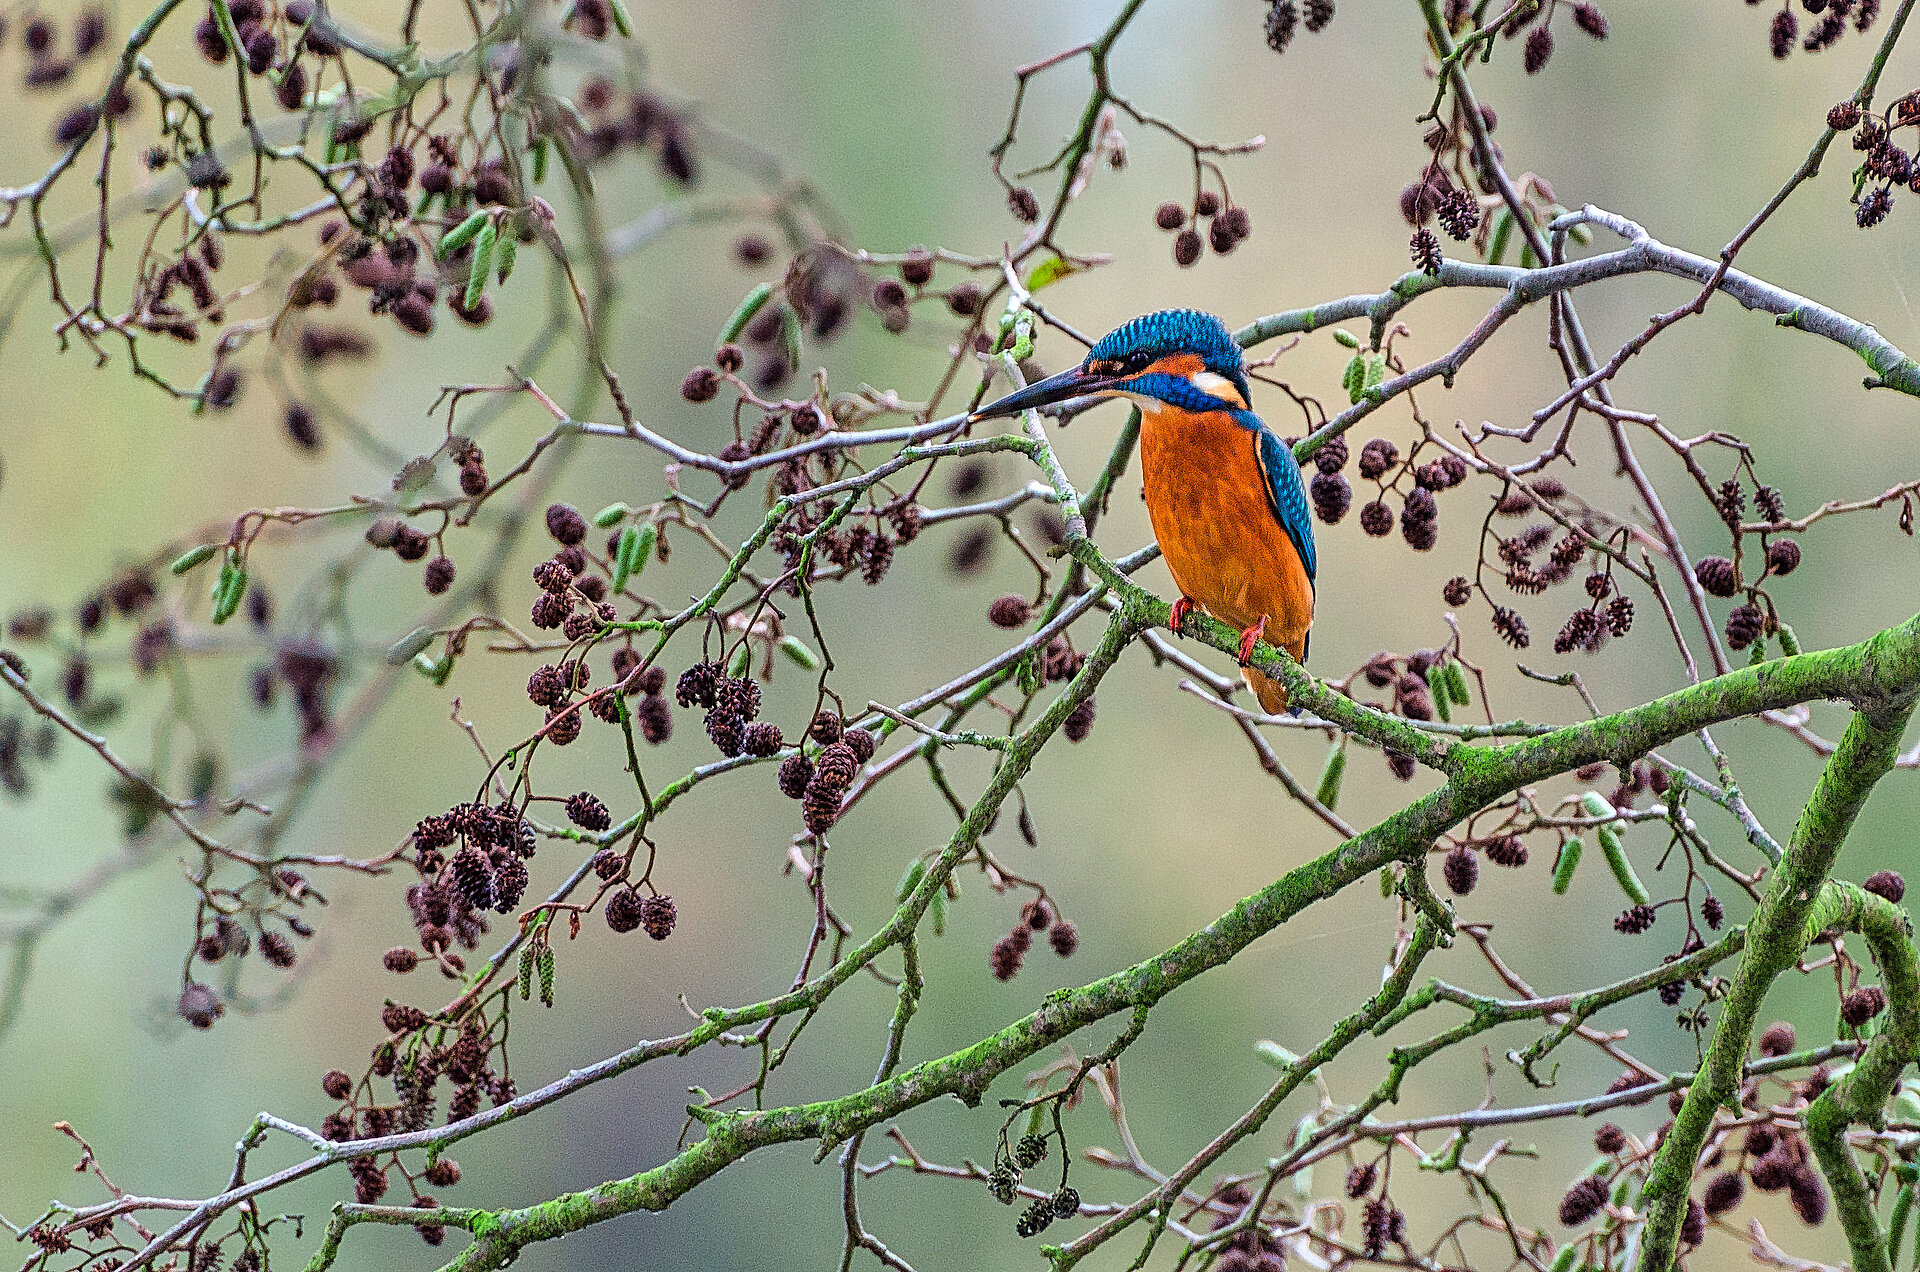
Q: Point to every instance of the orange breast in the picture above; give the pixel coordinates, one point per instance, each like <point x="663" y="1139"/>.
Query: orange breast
<point x="1228" y="552"/>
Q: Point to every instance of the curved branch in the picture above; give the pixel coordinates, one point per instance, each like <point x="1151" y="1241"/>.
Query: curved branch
<point x="1884" y="670"/>
<point x="1858" y="1097"/>
<point x="1788" y="917"/>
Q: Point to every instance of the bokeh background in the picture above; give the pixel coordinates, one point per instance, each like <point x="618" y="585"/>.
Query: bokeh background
<point x="1151" y="827"/>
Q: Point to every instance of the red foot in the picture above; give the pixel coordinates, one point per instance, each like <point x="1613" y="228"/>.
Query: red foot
<point x="1251" y="637"/>
<point x="1177" y="619"/>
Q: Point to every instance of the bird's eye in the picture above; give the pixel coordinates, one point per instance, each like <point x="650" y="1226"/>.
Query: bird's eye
<point x="1137" y="362"/>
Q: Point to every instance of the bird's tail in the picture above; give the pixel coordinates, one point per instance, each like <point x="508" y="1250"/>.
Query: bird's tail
<point x="1271" y="693"/>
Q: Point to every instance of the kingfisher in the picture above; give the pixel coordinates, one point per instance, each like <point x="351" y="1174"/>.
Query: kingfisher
<point x="1223" y="490"/>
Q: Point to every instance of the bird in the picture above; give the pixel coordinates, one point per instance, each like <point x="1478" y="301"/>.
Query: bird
<point x="1223" y="490"/>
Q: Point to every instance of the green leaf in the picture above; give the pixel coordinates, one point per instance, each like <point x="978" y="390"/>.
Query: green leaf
<point x="1563" y="1261"/>
<point x="1328" y="792"/>
<point x="223" y="19"/>
<point x="611" y="515"/>
<point x="740" y="661"/>
<point x="1897" y="1222"/>
<point x="1376" y="371"/>
<point x="631" y="553"/>
<point x="540" y="146"/>
<point x="800" y="653"/>
<point x="407" y="646"/>
<point x="482" y="264"/>
<point x="1275" y="1055"/>
<point x="194" y="557"/>
<point x="1563" y="869"/>
<point x="1303" y="1178"/>
<point x="462" y="234"/>
<point x="910" y="879"/>
<point x="414" y="474"/>
<point x="623" y="556"/>
<point x="1442" y="695"/>
<point x="1497" y="237"/>
<point x="622" y="21"/>
<point x="790" y="336"/>
<point x="577" y="172"/>
<point x="1615" y="849"/>
<point x="204" y="776"/>
<point x="228" y="589"/>
<point x="1346" y="338"/>
<point x="1026" y="672"/>
<point x="1049" y="271"/>
<point x="743" y="314"/>
<point x="1022" y="347"/>
<point x="503" y="256"/>
<point x="937" y="911"/>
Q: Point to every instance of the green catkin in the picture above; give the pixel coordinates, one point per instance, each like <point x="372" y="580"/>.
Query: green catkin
<point x="1328" y="793"/>
<point x="1442" y="693"/>
<point x="1564" y="868"/>
<point x="1615" y="848"/>
<point x="462" y="234"/>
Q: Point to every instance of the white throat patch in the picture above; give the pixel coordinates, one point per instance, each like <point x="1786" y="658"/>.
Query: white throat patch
<point x="1216" y="385"/>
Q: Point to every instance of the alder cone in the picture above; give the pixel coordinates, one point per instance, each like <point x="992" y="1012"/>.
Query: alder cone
<point x="820" y="806"/>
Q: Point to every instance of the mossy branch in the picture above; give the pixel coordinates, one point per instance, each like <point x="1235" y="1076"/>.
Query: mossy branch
<point x="1794" y="908"/>
<point x="1881" y="674"/>
<point x="1860" y="1096"/>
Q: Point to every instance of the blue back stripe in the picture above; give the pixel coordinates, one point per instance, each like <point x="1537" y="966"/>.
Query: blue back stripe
<point x="1287" y="494"/>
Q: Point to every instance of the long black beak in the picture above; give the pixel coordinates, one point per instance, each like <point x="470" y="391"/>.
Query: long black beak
<point x="1071" y="383"/>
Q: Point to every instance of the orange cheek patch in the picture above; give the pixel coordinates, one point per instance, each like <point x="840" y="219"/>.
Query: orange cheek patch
<point x="1192" y="368"/>
<point x="1184" y="365"/>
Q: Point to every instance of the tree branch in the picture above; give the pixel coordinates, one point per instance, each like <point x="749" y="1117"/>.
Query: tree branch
<point x="1782" y="926"/>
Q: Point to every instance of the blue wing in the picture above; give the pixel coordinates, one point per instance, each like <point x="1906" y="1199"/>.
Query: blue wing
<point x="1287" y="495"/>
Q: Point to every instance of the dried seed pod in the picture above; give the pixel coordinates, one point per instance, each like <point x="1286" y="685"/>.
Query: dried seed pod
<point x="623" y="910"/>
<point x="1583" y="1201"/>
<point x="1461" y="868"/>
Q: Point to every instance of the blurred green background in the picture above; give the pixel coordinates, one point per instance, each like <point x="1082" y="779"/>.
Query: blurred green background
<point x="1151" y="827"/>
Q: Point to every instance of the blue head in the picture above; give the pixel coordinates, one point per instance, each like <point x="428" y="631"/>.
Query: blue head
<point x="1178" y="357"/>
